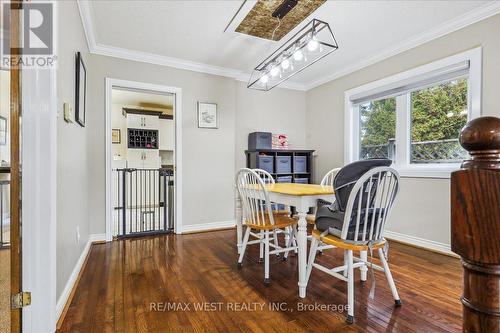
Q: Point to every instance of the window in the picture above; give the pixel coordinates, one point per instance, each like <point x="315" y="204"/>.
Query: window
<point x="415" y="117"/>
<point x="377" y="129"/>
<point x="438" y="113"/>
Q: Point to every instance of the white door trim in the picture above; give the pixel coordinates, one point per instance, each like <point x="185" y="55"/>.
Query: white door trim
<point x="39" y="195"/>
<point x="110" y="83"/>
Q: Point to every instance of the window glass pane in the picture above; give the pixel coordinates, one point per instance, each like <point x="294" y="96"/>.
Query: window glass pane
<point x="377" y="128"/>
<point x="438" y="113"/>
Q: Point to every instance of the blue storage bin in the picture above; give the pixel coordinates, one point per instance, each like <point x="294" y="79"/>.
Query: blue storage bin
<point x="260" y="140"/>
<point x="283" y="164"/>
<point x="300" y="164"/>
<point x="265" y="162"/>
<point x="284" y="179"/>
<point x="301" y="180"/>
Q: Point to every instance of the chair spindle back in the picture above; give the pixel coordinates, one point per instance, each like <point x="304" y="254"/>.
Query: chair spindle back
<point x="254" y="198"/>
<point x="369" y="205"/>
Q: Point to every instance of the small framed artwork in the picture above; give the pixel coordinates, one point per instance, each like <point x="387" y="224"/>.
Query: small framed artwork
<point x="207" y="115"/>
<point x="3" y="131"/>
<point x="116" y="136"/>
<point x="81" y="90"/>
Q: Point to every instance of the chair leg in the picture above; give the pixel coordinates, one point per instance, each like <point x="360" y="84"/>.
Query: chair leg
<point x="390" y="280"/>
<point x="350" y="288"/>
<point x="266" y="258"/>
<point x="345" y="263"/>
<point x="363" y="269"/>
<point x="289" y="241"/>
<point x="312" y="257"/>
<point x="243" y="247"/>
<point x="276" y="243"/>
<point x="261" y="245"/>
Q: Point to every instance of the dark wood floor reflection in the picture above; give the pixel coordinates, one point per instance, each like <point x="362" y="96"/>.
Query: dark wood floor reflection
<point x="125" y="281"/>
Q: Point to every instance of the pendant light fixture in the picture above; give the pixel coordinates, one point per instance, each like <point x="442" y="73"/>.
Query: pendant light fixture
<point x="310" y="44"/>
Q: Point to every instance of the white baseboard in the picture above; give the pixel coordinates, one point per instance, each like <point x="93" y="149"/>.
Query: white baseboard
<point x="420" y="242"/>
<point x="61" y="302"/>
<point x="208" y="226"/>
<point x="97" y="238"/>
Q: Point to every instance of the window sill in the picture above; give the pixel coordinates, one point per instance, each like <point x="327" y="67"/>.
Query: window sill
<point x="428" y="171"/>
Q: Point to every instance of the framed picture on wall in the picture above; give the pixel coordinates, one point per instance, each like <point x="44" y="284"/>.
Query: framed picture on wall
<point x="116" y="136"/>
<point x="81" y="90"/>
<point x="207" y="115"/>
<point x="3" y="131"/>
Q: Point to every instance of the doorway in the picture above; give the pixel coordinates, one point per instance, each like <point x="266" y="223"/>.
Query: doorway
<point x="143" y="159"/>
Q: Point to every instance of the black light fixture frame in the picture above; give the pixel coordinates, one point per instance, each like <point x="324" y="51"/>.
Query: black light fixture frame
<point x="262" y="67"/>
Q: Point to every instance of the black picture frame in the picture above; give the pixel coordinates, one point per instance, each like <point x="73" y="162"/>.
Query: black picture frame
<point x="80" y="90"/>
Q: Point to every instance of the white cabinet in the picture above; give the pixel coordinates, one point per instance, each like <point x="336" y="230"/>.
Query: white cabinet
<point x="142" y="121"/>
<point x="143" y="158"/>
<point x="167" y="134"/>
<point x="151" y="159"/>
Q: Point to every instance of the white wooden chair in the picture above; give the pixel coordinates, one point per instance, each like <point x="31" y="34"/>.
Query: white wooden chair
<point x="258" y="216"/>
<point x="361" y="229"/>
<point x="267" y="178"/>
<point x="329" y="177"/>
<point x="326" y="181"/>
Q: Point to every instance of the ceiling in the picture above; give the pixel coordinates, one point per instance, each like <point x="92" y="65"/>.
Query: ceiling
<point x="191" y="33"/>
<point x="143" y="99"/>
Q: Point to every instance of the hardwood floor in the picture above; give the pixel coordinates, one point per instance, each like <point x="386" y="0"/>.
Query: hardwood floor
<point x="124" y="281"/>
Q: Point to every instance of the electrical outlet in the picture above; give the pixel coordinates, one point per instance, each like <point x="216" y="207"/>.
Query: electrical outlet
<point x="77" y="234"/>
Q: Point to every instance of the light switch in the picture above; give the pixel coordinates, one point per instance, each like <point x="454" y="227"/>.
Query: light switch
<point x="68" y="113"/>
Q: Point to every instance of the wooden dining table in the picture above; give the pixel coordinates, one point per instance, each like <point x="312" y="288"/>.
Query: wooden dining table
<point x="302" y="197"/>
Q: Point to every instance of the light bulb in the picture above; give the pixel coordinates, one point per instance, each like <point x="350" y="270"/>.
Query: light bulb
<point x="274" y="71"/>
<point x="285" y="64"/>
<point x="312" y="45"/>
<point x="298" y="55"/>
<point x="264" y="78"/>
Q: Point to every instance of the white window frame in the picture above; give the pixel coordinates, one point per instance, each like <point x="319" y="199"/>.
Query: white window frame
<point x="402" y="158"/>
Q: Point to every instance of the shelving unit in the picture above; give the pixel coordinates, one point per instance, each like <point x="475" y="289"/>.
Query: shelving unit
<point x="252" y="157"/>
<point x="142" y="138"/>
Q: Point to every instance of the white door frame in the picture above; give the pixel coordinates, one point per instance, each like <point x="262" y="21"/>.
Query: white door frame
<point x="110" y="83"/>
<point x="39" y="193"/>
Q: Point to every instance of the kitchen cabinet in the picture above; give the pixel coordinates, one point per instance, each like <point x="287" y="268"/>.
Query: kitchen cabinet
<point x="143" y="158"/>
<point x="167" y="134"/>
<point x="141" y="121"/>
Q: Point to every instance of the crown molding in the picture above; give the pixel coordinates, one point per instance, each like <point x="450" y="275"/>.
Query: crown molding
<point x="471" y="17"/>
<point x="462" y="21"/>
<point x="88" y="24"/>
<point x="156" y="59"/>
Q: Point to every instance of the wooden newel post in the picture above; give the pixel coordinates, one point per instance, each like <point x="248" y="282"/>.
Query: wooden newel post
<point x="475" y="224"/>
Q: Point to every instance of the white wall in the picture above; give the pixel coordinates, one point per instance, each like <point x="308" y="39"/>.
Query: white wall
<point x="119" y="121"/>
<point x="208" y="154"/>
<point x="72" y="148"/>
<point x="423" y="208"/>
<point x="275" y="111"/>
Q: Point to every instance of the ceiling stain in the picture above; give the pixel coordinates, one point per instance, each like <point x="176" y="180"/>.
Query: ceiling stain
<point x="260" y="23"/>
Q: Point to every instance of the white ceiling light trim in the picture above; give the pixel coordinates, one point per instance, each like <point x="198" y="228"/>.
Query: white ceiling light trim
<point x="473" y="16"/>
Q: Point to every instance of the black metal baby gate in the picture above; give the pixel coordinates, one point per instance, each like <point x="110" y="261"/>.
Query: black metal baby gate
<point x="143" y="202"/>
